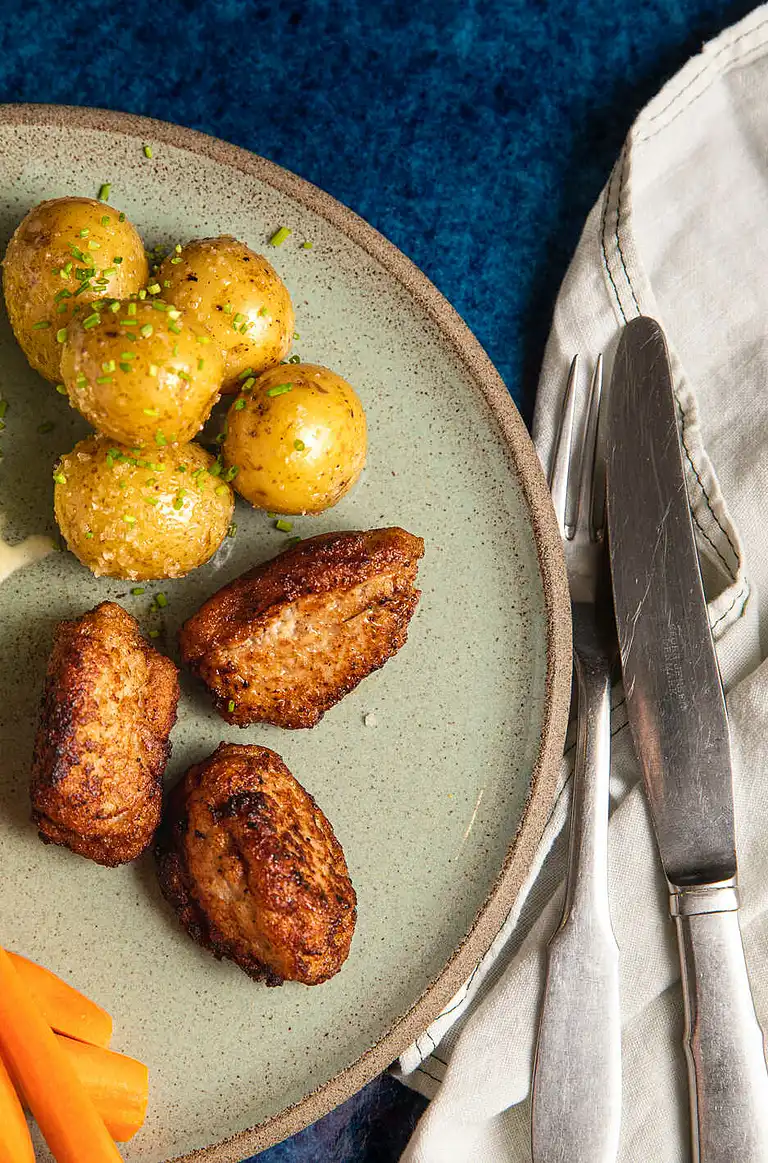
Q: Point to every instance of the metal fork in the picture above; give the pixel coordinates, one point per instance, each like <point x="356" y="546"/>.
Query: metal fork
<point x="577" y="1075"/>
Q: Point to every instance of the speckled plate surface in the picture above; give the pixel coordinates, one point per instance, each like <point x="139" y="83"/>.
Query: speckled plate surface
<point x="439" y="805"/>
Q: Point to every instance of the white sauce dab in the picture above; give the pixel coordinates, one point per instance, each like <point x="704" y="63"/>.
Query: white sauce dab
<point x="26" y="552"/>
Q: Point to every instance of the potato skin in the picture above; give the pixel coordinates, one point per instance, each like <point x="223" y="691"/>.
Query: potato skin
<point x="108" y="706"/>
<point x="180" y="511"/>
<point x="284" y="642"/>
<point x="253" y="868"/>
<point x="115" y="374"/>
<point x="219" y="279"/>
<point x="297" y="451"/>
<point x="41" y="246"/>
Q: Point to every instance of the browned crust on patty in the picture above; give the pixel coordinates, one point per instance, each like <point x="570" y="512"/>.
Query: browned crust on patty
<point x="253" y="868"/>
<point x="108" y="706"/>
<point x="288" y="639"/>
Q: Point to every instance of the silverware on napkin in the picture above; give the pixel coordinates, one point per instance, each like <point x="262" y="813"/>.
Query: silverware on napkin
<point x="678" y="718"/>
<point x="577" y="1076"/>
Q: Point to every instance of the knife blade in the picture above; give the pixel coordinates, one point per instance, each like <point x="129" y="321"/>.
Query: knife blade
<point x="679" y="724"/>
<point x="671" y="676"/>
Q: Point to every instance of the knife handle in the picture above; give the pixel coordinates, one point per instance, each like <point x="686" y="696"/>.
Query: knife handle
<point x="576" y="1091"/>
<point x="724" y="1048"/>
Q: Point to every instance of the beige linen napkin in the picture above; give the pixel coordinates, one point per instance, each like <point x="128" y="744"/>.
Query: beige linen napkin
<point x="680" y="233"/>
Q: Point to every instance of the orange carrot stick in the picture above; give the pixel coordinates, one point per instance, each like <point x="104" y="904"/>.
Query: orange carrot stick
<point x="117" y="1085"/>
<point x="65" y="1009"/>
<point x="15" y="1143"/>
<point x="64" y="1113"/>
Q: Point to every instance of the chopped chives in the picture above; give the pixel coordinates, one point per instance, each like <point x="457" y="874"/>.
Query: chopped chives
<point x="148" y="151"/>
<point x="299" y="445"/>
<point x="103" y="379"/>
<point x="117" y="259"/>
<point x="61" y="335"/>
<point x="227" y="308"/>
<point x="306" y="244"/>
<point x="154" y="289"/>
<point x="232" y="530"/>
<point x="108" y="365"/>
<point x="125" y="367"/>
<point x="160" y="439"/>
<point x="244" y="375"/>
<point x="121" y="217"/>
<point x="231" y="706"/>
<point x="93" y="245"/>
<point x="200" y="364"/>
<point x="159" y="305"/>
<point x="231" y="473"/>
<point x="41" y="325"/>
<point x="59" y="478"/>
<point x="114" y="307"/>
<point x="284" y="526"/>
<point x="61" y="389"/>
<point x="183" y="375"/>
<point x="92" y="321"/>
<point x="221" y="490"/>
<point x="154" y="633"/>
<point x="146" y="330"/>
<point x="153" y="369"/>
<point x="105" y="220"/>
<point x="176" y="260"/>
<point x="137" y="591"/>
<point x="160" y="600"/>
<point x="279" y="389"/>
<point x="178" y="501"/>
<point x="174" y="313"/>
<point x="127" y="354"/>
<point x="239" y="404"/>
<point x="131" y="309"/>
<point x="129" y="519"/>
<point x="280" y="235"/>
<point x="175" y="328"/>
<point x="263" y="311"/>
<point x="104" y="191"/>
<point x="202" y="338"/>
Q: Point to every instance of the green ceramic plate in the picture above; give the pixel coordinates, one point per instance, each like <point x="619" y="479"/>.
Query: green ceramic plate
<point x="438" y="805"/>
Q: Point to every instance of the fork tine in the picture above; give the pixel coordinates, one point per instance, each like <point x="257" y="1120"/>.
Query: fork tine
<point x="592" y="481"/>
<point x="558" y="476"/>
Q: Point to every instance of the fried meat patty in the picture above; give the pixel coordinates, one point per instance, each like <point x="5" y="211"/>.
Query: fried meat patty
<point x="253" y="869"/>
<point x="287" y="640"/>
<point x="109" y="703"/>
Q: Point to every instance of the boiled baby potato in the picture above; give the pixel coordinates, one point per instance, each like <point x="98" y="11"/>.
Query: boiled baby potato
<point x="296" y="438"/>
<point x="141" y="515"/>
<point x="142" y="373"/>
<point x="66" y="253"/>
<point x="238" y="296"/>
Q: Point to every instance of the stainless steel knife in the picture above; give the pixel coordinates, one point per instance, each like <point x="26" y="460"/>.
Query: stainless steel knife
<point x="678" y="718"/>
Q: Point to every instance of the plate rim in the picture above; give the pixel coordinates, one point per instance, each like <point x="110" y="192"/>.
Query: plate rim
<point x="470" y="353"/>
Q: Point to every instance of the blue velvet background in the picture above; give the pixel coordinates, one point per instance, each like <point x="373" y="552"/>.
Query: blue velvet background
<point x="475" y="134"/>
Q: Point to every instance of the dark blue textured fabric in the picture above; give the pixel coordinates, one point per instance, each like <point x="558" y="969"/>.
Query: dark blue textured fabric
<point x="475" y="134"/>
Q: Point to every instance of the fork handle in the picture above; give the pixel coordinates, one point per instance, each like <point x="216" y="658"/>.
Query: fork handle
<point x="576" y="1090"/>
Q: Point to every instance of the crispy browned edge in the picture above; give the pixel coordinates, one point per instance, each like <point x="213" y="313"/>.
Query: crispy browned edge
<point x="492" y="390"/>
